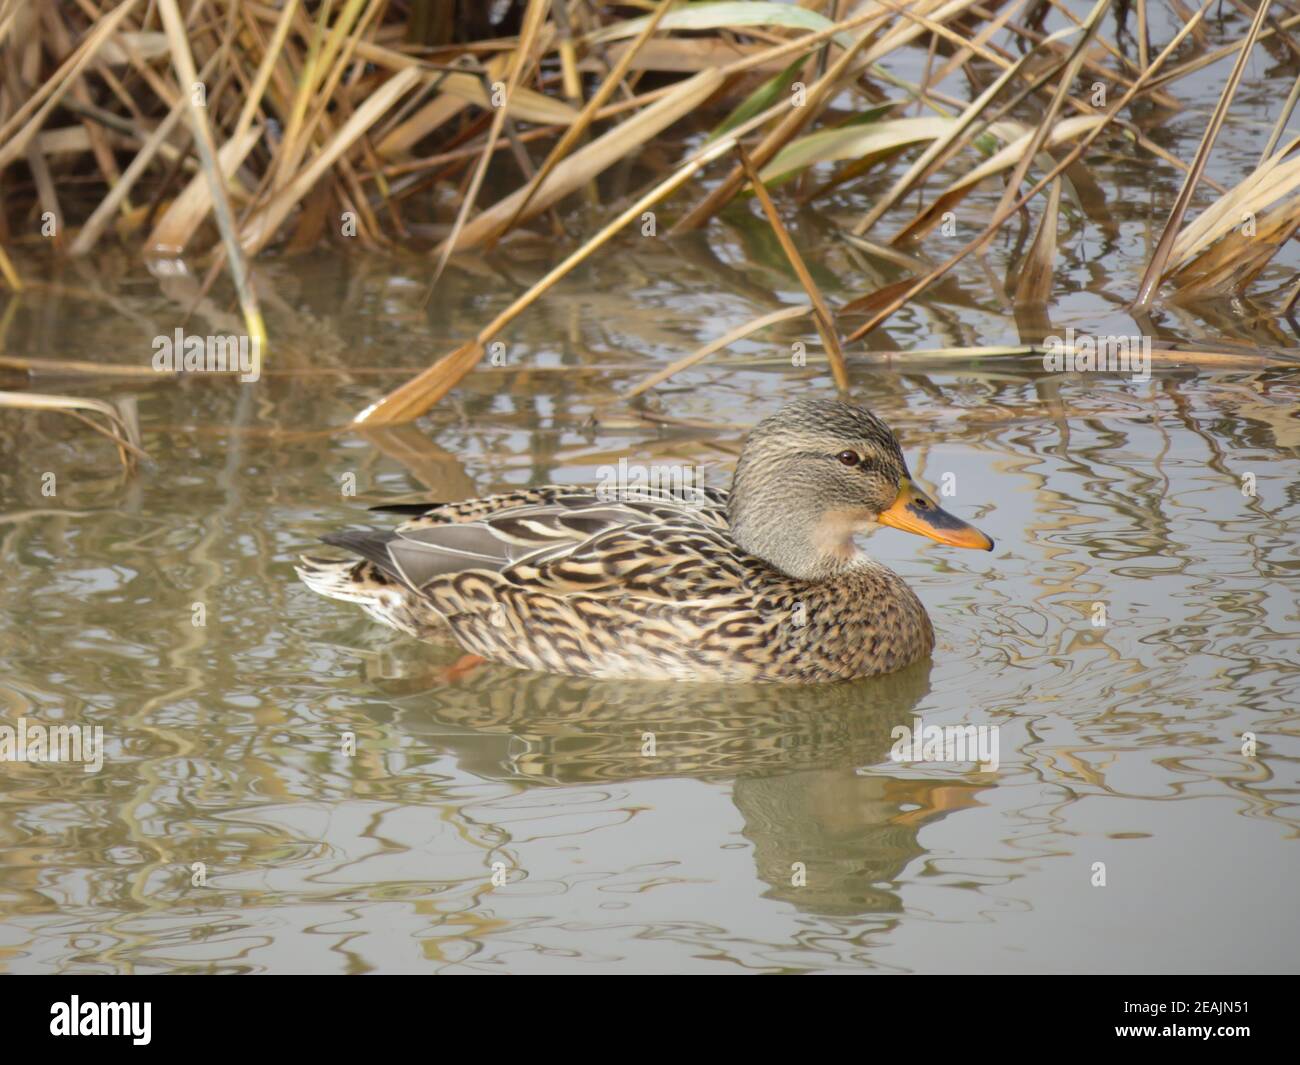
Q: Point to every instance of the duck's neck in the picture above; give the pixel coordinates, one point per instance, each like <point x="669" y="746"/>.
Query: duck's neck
<point x="806" y="546"/>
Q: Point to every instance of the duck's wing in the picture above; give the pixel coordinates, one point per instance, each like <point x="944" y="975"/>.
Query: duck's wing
<point x="666" y="598"/>
<point x="711" y="502"/>
<point x="677" y="559"/>
<point x="532" y="525"/>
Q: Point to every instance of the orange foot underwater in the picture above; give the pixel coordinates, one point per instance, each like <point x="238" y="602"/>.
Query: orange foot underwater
<point x="461" y="668"/>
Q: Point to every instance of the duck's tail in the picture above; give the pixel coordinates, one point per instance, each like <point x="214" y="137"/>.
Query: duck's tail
<point x="381" y="595"/>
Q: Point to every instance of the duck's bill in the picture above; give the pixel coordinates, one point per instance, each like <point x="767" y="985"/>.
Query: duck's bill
<point x="915" y="512"/>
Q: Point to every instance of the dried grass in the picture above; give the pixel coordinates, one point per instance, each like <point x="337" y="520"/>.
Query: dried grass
<point x="313" y="111"/>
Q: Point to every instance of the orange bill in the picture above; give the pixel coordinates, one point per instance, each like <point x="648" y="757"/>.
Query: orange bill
<point x="915" y="512"/>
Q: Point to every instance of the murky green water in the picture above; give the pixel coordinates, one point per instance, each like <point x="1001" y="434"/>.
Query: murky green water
<point x="512" y="822"/>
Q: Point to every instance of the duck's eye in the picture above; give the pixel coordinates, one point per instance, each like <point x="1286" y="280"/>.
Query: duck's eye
<point x="849" y="458"/>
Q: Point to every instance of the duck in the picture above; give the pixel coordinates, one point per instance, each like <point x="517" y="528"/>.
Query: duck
<point x="764" y="583"/>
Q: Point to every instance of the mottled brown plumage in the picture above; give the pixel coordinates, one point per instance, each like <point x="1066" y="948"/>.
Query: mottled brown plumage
<point x="760" y="584"/>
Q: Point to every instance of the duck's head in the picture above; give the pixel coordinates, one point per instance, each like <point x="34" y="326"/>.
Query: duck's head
<point x="816" y="474"/>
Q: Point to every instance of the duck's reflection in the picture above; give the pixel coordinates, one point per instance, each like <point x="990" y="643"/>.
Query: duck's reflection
<point x="826" y="838"/>
<point x="829" y="840"/>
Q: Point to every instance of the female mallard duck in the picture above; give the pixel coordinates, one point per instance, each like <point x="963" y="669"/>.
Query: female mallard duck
<point x="763" y="583"/>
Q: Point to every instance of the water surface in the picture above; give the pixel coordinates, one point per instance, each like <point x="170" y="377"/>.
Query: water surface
<point x="1119" y="744"/>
